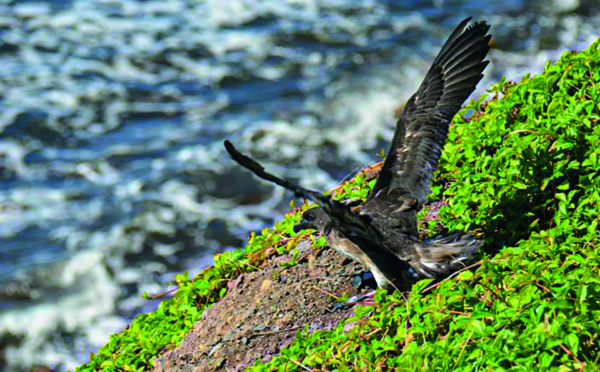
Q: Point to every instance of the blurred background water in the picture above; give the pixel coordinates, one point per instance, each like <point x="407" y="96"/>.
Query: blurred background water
<point x="113" y="114"/>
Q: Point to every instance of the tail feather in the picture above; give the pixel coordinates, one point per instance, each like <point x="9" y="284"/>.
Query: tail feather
<point x="442" y="256"/>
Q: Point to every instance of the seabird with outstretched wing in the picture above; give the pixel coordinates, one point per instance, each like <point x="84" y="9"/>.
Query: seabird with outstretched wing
<point x="383" y="234"/>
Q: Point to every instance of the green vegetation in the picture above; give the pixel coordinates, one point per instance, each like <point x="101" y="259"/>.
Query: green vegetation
<point x="523" y="173"/>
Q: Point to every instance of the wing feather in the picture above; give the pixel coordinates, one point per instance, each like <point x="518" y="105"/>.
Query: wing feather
<point x="353" y="225"/>
<point x="423" y="125"/>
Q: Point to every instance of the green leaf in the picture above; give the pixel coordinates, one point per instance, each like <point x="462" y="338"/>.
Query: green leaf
<point x="465" y="275"/>
<point x="572" y="342"/>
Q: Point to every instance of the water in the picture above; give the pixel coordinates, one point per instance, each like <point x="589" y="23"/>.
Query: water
<point x="112" y="117"/>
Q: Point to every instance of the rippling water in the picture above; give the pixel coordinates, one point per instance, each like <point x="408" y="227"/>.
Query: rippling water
<point x="113" y="113"/>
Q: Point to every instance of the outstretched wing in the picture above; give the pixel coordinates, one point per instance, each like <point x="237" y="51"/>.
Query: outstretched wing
<point x="342" y="217"/>
<point x="423" y="125"/>
<point x="259" y="170"/>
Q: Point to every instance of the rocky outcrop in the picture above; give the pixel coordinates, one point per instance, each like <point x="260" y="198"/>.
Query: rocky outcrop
<point x="263" y="310"/>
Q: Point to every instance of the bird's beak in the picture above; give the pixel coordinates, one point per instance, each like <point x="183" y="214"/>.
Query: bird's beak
<point x="304" y="225"/>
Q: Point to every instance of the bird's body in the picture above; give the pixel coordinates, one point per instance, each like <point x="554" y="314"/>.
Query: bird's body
<point x="383" y="234"/>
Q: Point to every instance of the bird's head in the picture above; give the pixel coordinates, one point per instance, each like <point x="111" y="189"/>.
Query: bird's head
<point x="314" y="218"/>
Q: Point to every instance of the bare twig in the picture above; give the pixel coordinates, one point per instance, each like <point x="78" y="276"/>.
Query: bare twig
<point x="274" y="332"/>
<point x="569" y="353"/>
<point x="162" y="294"/>
<point x="327" y="293"/>
<point x="542" y="287"/>
<point x="459" y="313"/>
<point x="299" y="364"/>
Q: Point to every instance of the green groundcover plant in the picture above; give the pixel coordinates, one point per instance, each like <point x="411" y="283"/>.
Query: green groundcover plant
<point x="522" y="173"/>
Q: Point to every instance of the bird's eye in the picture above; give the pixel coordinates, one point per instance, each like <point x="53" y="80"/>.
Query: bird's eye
<point x="309" y="215"/>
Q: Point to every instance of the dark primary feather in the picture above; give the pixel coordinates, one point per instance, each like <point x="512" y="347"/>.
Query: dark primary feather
<point x="259" y="170"/>
<point x="342" y="217"/>
<point x="423" y="125"/>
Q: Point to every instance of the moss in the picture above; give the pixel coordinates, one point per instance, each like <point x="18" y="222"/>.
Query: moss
<point x="522" y="174"/>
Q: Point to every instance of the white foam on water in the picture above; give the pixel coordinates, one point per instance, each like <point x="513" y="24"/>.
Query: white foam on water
<point x="74" y="311"/>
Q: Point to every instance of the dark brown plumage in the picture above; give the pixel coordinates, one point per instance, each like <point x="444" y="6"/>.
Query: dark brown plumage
<point x="383" y="234"/>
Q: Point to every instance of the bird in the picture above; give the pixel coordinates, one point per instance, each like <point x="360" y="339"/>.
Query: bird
<point x="383" y="234"/>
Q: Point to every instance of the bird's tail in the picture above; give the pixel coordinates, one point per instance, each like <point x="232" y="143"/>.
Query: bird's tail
<point x="440" y="257"/>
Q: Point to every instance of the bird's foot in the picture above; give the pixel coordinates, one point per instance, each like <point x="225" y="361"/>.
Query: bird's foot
<point x="365" y="279"/>
<point x="359" y="281"/>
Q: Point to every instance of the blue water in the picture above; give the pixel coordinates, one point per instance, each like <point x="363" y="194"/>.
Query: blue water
<point x="112" y="117"/>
